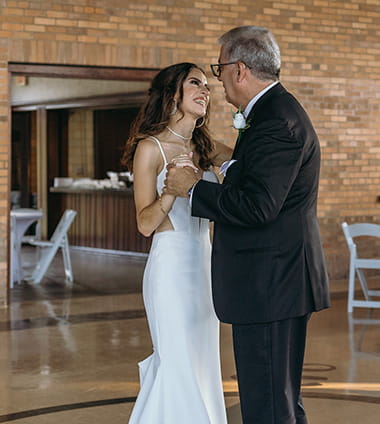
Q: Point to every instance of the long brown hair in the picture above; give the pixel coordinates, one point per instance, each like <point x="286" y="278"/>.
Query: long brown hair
<point x="154" y="115"/>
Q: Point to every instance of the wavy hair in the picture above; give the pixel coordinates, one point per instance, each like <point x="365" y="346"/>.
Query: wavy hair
<point x="154" y="115"/>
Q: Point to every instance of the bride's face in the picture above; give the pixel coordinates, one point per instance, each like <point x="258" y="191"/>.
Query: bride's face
<point x="196" y="94"/>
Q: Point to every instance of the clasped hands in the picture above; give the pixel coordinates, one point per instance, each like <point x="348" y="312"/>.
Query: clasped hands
<point x="181" y="175"/>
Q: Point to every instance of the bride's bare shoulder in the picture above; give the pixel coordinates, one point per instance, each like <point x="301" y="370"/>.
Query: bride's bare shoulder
<point x="148" y="154"/>
<point x="148" y="143"/>
<point x="148" y="147"/>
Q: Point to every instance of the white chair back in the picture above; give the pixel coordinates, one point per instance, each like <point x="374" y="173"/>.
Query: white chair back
<point x="361" y="229"/>
<point x="358" y="264"/>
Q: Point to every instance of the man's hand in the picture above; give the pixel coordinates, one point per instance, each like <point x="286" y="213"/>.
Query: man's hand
<point x="179" y="180"/>
<point x="184" y="159"/>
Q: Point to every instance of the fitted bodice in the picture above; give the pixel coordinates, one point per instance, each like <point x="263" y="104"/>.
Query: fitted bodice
<point x="180" y="213"/>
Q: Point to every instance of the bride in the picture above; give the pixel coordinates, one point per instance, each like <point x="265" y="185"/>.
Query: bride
<point x="181" y="380"/>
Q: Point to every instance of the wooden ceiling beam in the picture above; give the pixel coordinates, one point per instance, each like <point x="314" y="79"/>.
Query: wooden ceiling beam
<point x="84" y="72"/>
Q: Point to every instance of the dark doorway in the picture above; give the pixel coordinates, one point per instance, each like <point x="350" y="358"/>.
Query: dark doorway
<point x="111" y="130"/>
<point x="21" y="195"/>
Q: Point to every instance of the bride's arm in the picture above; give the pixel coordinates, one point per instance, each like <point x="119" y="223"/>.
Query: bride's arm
<point x="221" y="153"/>
<point x="150" y="211"/>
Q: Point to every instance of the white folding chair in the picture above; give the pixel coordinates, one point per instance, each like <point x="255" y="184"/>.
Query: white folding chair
<point x="33" y="237"/>
<point x="59" y="240"/>
<point x="358" y="264"/>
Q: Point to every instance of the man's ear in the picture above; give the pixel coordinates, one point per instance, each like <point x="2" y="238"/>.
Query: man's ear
<point x="240" y="71"/>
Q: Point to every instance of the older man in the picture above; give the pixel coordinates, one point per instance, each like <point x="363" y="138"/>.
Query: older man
<point x="268" y="267"/>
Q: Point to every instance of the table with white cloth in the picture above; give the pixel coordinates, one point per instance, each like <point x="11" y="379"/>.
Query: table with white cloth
<point x="21" y="220"/>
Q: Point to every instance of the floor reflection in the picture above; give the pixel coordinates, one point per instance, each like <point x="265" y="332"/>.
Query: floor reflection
<point x="70" y="354"/>
<point x="364" y="341"/>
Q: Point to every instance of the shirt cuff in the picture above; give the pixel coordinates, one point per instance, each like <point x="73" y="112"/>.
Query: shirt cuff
<point x="225" y="166"/>
<point x="190" y="193"/>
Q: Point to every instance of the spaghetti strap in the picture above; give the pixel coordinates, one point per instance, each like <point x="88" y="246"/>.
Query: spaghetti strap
<point x="161" y="149"/>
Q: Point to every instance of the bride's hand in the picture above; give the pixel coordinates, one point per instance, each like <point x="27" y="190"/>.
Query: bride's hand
<point x="184" y="159"/>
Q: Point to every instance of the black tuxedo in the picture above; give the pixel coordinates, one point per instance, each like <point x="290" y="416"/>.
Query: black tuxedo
<point x="267" y="261"/>
<point x="268" y="269"/>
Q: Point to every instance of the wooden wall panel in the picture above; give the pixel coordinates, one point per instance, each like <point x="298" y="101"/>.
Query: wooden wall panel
<point x="105" y="220"/>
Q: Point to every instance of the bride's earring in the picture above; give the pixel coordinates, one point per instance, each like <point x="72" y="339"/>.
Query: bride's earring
<point x="202" y="123"/>
<point x="174" y="110"/>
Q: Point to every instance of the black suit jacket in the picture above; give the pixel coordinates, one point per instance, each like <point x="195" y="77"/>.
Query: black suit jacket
<point x="267" y="259"/>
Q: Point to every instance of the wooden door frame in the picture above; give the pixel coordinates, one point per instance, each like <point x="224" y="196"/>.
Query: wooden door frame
<point x="84" y="72"/>
<point x="70" y="72"/>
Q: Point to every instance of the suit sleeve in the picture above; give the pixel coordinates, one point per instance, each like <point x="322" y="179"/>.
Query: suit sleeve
<point x="269" y="165"/>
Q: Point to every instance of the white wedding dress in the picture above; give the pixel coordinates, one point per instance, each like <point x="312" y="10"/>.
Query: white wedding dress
<point x="180" y="383"/>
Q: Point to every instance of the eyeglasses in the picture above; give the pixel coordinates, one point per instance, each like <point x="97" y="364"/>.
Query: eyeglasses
<point x="216" y="68"/>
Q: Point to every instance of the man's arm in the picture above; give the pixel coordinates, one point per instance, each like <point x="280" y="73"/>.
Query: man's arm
<point x="271" y="162"/>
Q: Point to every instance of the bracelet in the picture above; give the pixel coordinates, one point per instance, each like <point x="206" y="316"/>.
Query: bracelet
<point x="161" y="207"/>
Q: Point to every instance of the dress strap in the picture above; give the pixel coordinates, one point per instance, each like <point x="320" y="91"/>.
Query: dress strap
<point x="161" y="149"/>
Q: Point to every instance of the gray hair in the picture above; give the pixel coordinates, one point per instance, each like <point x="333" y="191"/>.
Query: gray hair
<point x="256" y="47"/>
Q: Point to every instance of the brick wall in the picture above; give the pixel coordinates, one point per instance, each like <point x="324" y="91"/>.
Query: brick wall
<point x="331" y="62"/>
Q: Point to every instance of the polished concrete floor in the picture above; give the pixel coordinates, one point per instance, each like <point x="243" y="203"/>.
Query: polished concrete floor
<point x="69" y="354"/>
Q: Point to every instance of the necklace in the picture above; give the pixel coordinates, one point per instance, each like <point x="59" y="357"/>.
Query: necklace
<point x="178" y="135"/>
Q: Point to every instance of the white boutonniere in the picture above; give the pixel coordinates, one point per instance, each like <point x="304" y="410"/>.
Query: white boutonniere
<point x="239" y="122"/>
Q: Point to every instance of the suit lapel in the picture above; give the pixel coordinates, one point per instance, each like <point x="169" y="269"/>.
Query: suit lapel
<point x="274" y="91"/>
<point x="238" y="144"/>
